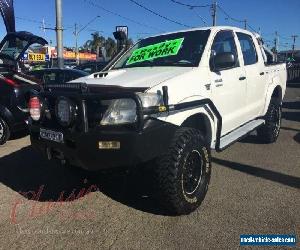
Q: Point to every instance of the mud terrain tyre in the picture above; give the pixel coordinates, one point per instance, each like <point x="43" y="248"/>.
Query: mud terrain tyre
<point x="269" y="132"/>
<point x="183" y="172"/>
<point x="4" y="132"/>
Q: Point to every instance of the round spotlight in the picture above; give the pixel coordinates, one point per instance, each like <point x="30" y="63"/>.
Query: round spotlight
<point x="65" y="111"/>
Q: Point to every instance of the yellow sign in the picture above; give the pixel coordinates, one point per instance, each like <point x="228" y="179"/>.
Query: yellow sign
<point x="36" y="57"/>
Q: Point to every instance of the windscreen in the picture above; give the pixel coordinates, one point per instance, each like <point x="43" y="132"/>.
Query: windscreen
<point x="182" y="49"/>
<point x="12" y="48"/>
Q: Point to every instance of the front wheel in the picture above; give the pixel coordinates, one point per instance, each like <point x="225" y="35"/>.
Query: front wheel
<point x="4" y="132"/>
<point x="269" y="132"/>
<point x="183" y="172"/>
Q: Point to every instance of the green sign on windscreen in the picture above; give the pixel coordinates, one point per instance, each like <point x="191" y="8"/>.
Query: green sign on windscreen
<point x="163" y="49"/>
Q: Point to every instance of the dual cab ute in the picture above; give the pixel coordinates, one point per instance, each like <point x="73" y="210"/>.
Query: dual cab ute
<point x="173" y="98"/>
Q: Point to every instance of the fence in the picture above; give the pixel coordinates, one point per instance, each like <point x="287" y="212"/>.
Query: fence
<point x="294" y="73"/>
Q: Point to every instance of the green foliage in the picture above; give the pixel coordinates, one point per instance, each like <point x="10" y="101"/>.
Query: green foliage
<point x="110" y="46"/>
<point x="97" y="41"/>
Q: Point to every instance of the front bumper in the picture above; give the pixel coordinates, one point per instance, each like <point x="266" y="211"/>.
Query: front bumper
<point x="82" y="149"/>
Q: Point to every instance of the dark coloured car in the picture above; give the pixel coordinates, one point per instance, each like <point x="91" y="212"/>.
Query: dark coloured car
<point x="15" y="87"/>
<point x="56" y="75"/>
<point x="92" y="67"/>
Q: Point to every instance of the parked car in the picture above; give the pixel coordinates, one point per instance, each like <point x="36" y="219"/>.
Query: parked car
<point x="56" y="75"/>
<point x="15" y="87"/>
<point x="292" y="57"/>
<point x="92" y="67"/>
<point x="70" y="64"/>
<point x="171" y="98"/>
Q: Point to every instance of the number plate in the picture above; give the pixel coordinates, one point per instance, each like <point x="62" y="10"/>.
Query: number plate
<point x="52" y="135"/>
<point x="36" y="57"/>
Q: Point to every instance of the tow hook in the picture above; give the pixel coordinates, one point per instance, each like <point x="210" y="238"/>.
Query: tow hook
<point x="56" y="154"/>
<point x="49" y="153"/>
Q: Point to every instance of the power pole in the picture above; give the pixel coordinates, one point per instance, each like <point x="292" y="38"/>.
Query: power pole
<point x="59" y="34"/>
<point x="44" y="28"/>
<point x="276" y="41"/>
<point x="214" y="12"/>
<point x="294" y="43"/>
<point x="245" y="24"/>
<point x="76" y="34"/>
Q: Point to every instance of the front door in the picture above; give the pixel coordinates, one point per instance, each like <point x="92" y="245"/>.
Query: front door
<point x="229" y="85"/>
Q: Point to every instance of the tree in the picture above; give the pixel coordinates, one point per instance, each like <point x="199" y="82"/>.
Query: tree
<point x="111" y="47"/>
<point x="129" y="43"/>
<point x="95" y="43"/>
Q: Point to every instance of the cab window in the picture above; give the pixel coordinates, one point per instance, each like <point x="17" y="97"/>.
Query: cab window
<point x="224" y="42"/>
<point x="248" y="49"/>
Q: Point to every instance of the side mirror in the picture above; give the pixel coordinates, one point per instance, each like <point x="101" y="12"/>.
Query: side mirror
<point x="223" y="61"/>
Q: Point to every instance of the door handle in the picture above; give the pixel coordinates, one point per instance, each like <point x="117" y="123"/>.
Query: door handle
<point x="262" y="73"/>
<point x="242" y="78"/>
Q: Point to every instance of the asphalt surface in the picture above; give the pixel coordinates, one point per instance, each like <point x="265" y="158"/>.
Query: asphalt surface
<point x="255" y="189"/>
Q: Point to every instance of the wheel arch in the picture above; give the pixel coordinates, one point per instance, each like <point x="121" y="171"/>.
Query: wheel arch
<point x="201" y="122"/>
<point x="277" y="94"/>
<point x="274" y="93"/>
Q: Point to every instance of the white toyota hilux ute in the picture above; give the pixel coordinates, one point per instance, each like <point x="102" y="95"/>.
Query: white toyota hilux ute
<point x="171" y="98"/>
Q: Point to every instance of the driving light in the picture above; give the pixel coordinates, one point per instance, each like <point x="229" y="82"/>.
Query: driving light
<point x="65" y="111"/>
<point x="151" y="99"/>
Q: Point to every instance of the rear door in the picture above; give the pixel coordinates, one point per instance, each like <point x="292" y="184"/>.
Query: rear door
<point x="255" y="73"/>
<point x="229" y="85"/>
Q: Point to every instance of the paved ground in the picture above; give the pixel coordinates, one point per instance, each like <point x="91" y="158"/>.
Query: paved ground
<point x="255" y="188"/>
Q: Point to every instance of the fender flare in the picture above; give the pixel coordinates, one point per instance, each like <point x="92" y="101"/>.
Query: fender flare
<point x="269" y="95"/>
<point x="207" y="123"/>
<point x="181" y="107"/>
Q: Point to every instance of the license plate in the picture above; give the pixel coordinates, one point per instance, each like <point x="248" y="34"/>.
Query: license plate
<point x="52" y="135"/>
<point x="36" y="57"/>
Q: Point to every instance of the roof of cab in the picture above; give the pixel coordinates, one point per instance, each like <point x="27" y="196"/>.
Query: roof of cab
<point x="212" y="28"/>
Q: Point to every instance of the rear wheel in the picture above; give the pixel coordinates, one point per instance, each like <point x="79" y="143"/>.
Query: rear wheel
<point x="4" y="131"/>
<point x="183" y="173"/>
<point x="269" y="132"/>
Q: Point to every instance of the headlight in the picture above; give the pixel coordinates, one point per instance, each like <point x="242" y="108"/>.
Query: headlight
<point x="120" y="111"/>
<point x="123" y="111"/>
<point x="65" y="111"/>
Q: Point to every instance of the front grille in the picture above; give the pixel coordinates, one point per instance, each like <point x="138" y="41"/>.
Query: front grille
<point x="77" y="87"/>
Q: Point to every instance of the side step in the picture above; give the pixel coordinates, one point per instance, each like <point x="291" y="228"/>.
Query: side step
<point x="240" y="132"/>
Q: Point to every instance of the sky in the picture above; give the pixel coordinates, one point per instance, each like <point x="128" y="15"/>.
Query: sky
<point x="267" y="15"/>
